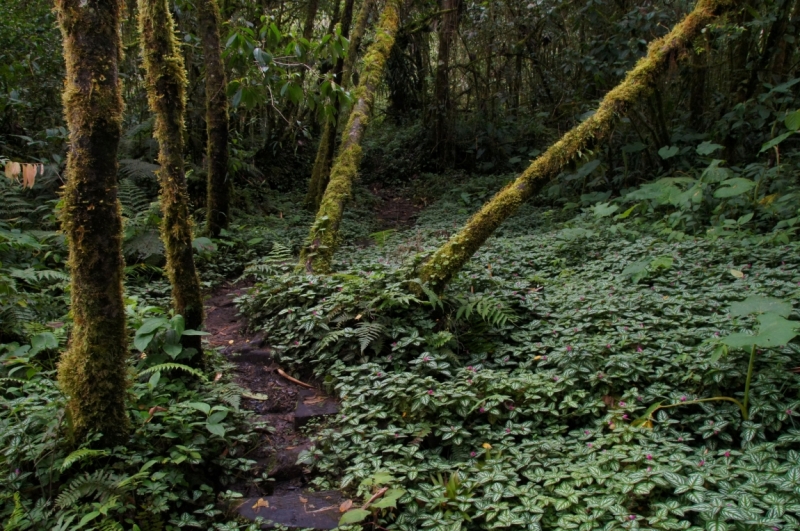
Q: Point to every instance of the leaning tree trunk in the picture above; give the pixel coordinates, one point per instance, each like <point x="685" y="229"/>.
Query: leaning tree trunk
<point x="219" y="186"/>
<point x="93" y="371"/>
<point x="324" y="237"/>
<point x="320" y="174"/>
<point x="639" y="83"/>
<point x="166" y="91"/>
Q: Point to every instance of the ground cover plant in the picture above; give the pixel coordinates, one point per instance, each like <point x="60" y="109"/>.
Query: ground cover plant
<point x="525" y="396"/>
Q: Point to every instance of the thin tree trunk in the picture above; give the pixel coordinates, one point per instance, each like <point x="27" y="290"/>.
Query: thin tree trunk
<point x="771" y="46"/>
<point x="93" y="370"/>
<point x="311" y="15"/>
<point x="639" y="83"/>
<point x="219" y="185"/>
<point x="166" y="91"/>
<point x="327" y="142"/>
<point x="442" y="112"/>
<point x="324" y="236"/>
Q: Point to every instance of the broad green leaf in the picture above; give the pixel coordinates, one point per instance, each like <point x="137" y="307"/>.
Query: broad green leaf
<point x="717" y="353"/>
<point x="195" y="333"/>
<point x="667" y="152"/>
<point x="775" y="331"/>
<point x="389" y="499"/>
<point x="200" y="406"/>
<point x="353" y="516"/>
<point x="707" y="148"/>
<point x="602" y="210"/>
<point x="758" y="304"/>
<point x="662" y="262"/>
<point x="792" y="120"/>
<point x="217" y="417"/>
<point x="141" y="342"/>
<point x="734" y="187"/>
<point x="627" y="213"/>
<point x="216" y="429"/>
<point x="42" y="341"/>
<point x="775" y="141"/>
<point x="173" y="349"/>
<point x="151" y="325"/>
<point x="740" y="341"/>
<point x="178" y="324"/>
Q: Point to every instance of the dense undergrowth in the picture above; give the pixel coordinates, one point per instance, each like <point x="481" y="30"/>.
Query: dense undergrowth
<point x="526" y="396"/>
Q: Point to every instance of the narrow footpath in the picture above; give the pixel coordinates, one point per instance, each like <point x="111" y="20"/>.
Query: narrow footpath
<point x="285" y="406"/>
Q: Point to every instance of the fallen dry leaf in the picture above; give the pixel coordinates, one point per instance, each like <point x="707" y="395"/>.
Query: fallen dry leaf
<point x="303" y="500"/>
<point x="260" y="503"/>
<point x="218" y="376"/>
<point x="345" y="506"/>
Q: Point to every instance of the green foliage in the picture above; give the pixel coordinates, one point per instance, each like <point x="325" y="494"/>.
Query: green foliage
<point x="529" y="421"/>
<point x="190" y="440"/>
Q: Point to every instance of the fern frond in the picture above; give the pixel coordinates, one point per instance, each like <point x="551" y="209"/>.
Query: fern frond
<point x="80" y="455"/>
<point x="369" y="333"/>
<point x="173" y="367"/>
<point x="138" y="170"/>
<point x="100" y="482"/>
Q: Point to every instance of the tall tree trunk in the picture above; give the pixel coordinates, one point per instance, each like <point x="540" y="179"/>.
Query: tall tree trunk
<point x="327" y="142"/>
<point x="638" y="84"/>
<point x="771" y="46"/>
<point x="441" y="89"/>
<point x="324" y="236"/>
<point x="93" y="371"/>
<point x="166" y="86"/>
<point x="311" y="15"/>
<point x="219" y="186"/>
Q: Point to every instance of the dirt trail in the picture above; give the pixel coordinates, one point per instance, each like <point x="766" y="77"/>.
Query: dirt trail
<point x="283" y="405"/>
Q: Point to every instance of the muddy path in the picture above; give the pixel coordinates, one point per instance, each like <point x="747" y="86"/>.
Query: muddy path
<point x="285" y="407"/>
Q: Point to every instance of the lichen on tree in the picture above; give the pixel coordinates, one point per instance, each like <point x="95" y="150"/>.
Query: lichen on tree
<point x="638" y="83"/>
<point x="166" y="82"/>
<point x="93" y="370"/>
<point x="324" y="236"/>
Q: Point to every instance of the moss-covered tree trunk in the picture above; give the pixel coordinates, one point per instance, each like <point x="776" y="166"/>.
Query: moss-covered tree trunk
<point x="326" y="150"/>
<point x="166" y="91"/>
<point x="93" y="370"/>
<point x="324" y="237"/>
<point x="639" y="83"/>
<point x="219" y="186"/>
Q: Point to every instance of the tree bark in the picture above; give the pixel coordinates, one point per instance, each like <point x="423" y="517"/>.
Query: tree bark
<point x="320" y="174"/>
<point x="327" y="142"/>
<point x="323" y="239"/>
<point x="443" y="114"/>
<point x="439" y="269"/>
<point x="219" y="186"/>
<point x="93" y="370"/>
<point x="166" y="91"/>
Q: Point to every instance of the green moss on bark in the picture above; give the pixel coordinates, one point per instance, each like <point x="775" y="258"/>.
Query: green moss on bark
<point x="93" y="371"/>
<point x="324" y="237"/>
<point x="639" y="83"/>
<point x="166" y="82"/>
<point x="219" y="185"/>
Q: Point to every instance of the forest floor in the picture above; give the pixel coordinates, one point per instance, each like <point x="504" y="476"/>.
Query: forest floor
<point x="290" y="409"/>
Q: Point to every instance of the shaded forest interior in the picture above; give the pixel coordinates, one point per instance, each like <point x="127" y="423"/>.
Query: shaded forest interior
<point x="399" y="264"/>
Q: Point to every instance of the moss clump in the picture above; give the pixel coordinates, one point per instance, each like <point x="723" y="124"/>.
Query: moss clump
<point x="219" y="185"/>
<point x="639" y="82"/>
<point x="324" y="237"/>
<point x="166" y="82"/>
<point x="93" y="371"/>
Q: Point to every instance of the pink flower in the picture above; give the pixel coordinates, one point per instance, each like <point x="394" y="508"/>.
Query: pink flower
<point x="649" y="457"/>
<point x="473" y="454"/>
<point x="638" y="348"/>
<point x="508" y="430"/>
<point x="632" y="517"/>
<point x="569" y="348"/>
<point x="430" y="391"/>
<point x="702" y="462"/>
<point x="482" y="410"/>
<point x="589" y="445"/>
<point x="727" y="454"/>
<point x="683" y="398"/>
<point x="625" y="417"/>
<point x="555" y="378"/>
<point x="586" y="432"/>
<point x="622" y="404"/>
